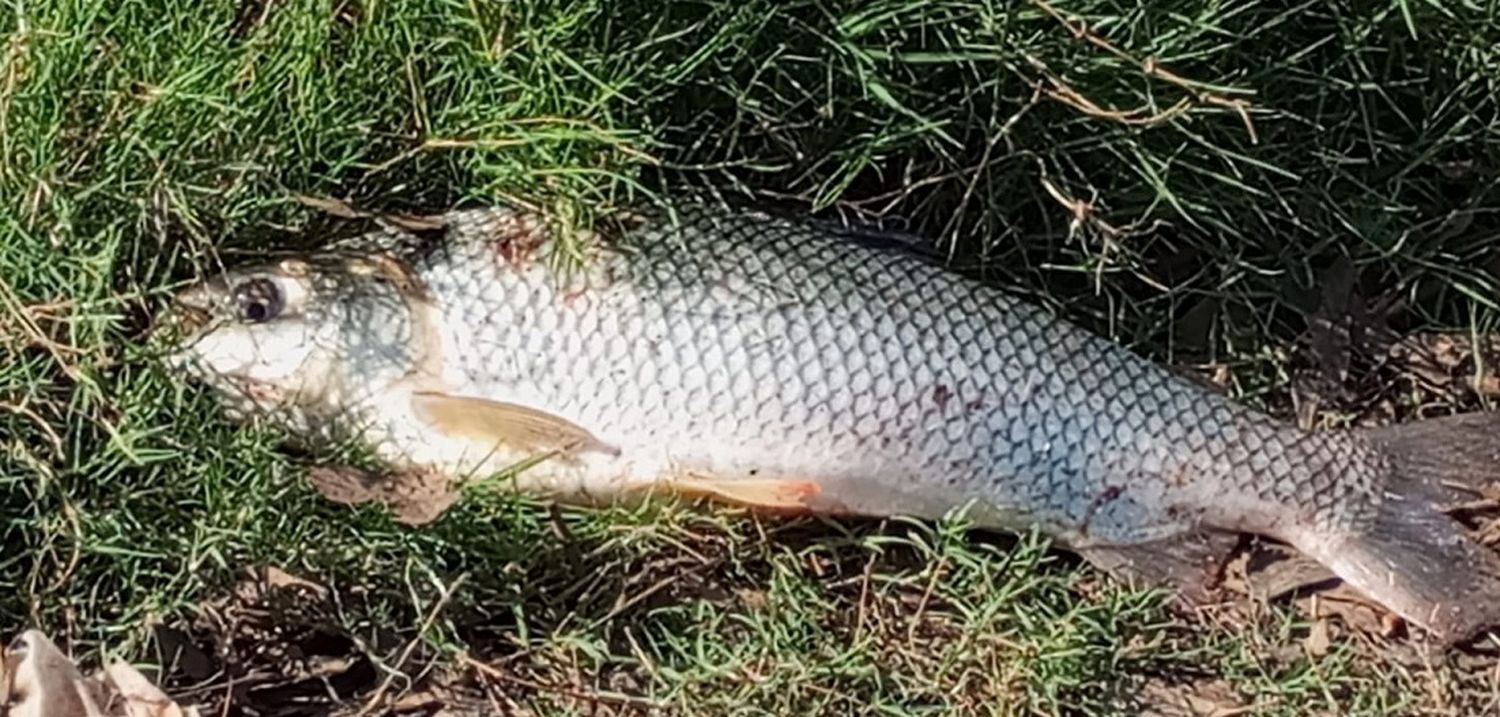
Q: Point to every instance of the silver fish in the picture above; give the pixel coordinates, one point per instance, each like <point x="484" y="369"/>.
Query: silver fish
<point x="784" y="366"/>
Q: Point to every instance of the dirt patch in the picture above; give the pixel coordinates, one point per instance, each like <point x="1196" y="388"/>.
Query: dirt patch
<point x="1203" y="698"/>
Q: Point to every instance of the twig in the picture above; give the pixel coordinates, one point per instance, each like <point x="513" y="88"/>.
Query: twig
<point x="70" y="514"/>
<point x="1151" y="68"/>
<point x="22" y="316"/>
<point x="51" y="433"/>
<point x="864" y="597"/>
<point x="1064" y="93"/>
<point x="411" y="645"/>
<point x="916" y="618"/>
<point x="1081" y="211"/>
<point x="621" y="605"/>
<point x="1003" y="134"/>
<point x="895" y="195"/>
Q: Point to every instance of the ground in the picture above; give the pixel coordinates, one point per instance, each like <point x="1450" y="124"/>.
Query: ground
<point x="1296" y="202"/>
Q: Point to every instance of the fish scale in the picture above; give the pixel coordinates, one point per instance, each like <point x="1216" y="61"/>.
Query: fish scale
<point x="782" y="364"/>
<point x="842" y="354"/>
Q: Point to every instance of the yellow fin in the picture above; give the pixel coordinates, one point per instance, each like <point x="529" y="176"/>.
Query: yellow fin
<point x="506" y="424"/>
<point x="778" y="493"/>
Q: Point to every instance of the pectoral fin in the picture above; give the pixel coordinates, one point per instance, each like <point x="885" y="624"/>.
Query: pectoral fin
<point x="775" y="493"/>
<point x="497" y="423"/>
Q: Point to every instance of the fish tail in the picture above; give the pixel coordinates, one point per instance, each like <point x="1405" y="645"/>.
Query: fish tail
<point x="1413" y="557"/>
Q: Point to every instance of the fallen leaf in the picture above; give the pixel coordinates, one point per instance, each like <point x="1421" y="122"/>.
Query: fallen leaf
<point x="344" y="485"/>
<point x="140" y="697"/>
<point x="1350" y="606"/>
<point x="1318" y="640"/>
<point x="1449" y="363"/>
<point x="415" y="222"/>
<point x="329" y="205"/>
<point x="1270" y="572"/>
<point x="42" y="682"/>
<point x="417" y="497"/>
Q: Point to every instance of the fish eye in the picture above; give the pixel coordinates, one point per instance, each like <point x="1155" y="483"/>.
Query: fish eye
<point x="259" y="300"/>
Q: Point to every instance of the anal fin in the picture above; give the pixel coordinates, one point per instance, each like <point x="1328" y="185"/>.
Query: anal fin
<point x="785" y="494"/>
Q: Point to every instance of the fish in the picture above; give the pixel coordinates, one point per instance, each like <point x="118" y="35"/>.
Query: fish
<point x="793" y="366"/>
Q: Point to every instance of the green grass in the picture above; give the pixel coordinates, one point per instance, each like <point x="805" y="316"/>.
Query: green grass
<point x="144" y="141"/>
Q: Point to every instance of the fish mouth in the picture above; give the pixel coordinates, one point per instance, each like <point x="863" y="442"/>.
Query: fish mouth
<point x="184" y="320"/>
<point x="252" y="396"/>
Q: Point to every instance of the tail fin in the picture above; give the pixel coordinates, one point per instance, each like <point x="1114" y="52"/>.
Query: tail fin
<point x="1413" y="558"/>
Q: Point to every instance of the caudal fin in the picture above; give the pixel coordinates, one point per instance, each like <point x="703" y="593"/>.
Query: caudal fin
<point x="1413" y="557"/>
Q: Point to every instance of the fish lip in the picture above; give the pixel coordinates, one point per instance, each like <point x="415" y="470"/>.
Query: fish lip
<point x="258" y="391"/>
<point x="190" y="320"/>
<point x="185" y="319"/>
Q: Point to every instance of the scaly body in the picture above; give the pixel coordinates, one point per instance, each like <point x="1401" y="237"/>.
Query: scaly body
<point x="772" y="363"/>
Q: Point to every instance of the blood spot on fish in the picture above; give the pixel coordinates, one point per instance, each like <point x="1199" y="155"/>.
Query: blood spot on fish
<point x="515" y="243"/>
<point x="955" y="471"/>
<point x="941" y="394"/>
<point x="1108" y="495"/>
<point x="511" y="252"/>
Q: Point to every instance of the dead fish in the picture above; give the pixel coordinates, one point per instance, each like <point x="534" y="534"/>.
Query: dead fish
<point x="782" y="365"/>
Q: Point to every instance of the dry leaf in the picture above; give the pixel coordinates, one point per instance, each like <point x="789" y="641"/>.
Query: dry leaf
<point x="278" y="578"/>
<point x="1270" y="572"/>
<point x="415" y="222"/>
<point x="418" y="497"/>
<point x="344" y="210"/>
<point x="1445" y="362"/>
<point x="1318" y="639"/>
<point x="137" y="695"/>
<point x="344" y="485"/>
<point x="1351" y="607"/>
<point x="42" y="682"/>
<point x="414" y="497"/>
<point x="329" y="205"/>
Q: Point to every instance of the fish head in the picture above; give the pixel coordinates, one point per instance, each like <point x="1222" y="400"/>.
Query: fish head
<point x="251" y="333"/>
<point x="289" y="338"/>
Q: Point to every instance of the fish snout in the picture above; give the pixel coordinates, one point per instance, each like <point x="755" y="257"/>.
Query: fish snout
<point x="188" y="315"/>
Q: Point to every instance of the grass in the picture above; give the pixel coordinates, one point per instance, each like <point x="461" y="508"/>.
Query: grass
<point x="144" y="141"/>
